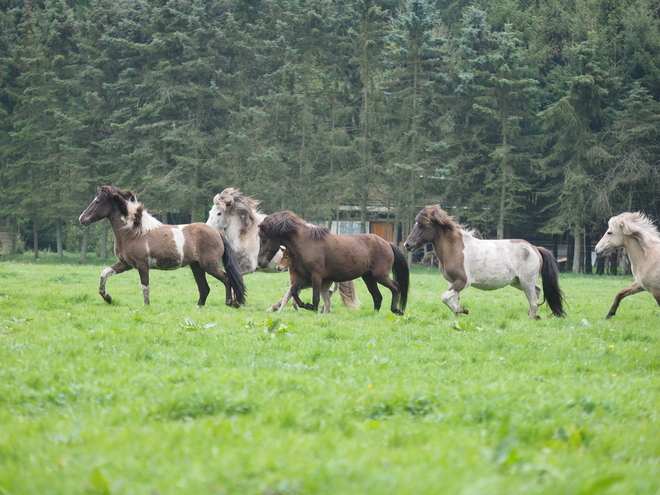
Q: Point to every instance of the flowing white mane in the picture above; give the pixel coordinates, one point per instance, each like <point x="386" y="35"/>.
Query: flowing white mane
<point x="637" y="225"/>
<point x="138" y="220"/>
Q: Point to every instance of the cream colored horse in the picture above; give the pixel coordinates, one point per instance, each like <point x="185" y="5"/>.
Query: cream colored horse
<point x="635" y="233"/>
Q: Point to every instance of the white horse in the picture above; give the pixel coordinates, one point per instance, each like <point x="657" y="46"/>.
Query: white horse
<point x="238" y="217"/>
<point x="485" y="264"/>
<point x="635" y="233"/>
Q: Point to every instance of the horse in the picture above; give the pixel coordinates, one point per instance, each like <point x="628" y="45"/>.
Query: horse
<point x="143" y="242"/>
<point x="637" y="234"/>
<point x="346" y="291"/>
<point x="238" y="217"/>
<point x="485" y="264"/>
<point x="321" y="258"/>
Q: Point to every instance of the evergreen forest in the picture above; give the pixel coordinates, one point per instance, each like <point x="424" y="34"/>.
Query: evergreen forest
<point x="519" y="117"/>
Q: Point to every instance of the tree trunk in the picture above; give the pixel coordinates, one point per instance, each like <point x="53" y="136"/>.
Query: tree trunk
<point x="85" y="242"/>
<point x="614" y="263"/>
<point x="588" y="267"/>
<point x="35" y="237"/>
<point x="14" y="235"/>
<point x="58" y="230"/>
<point x="576" y="252"/>
<point x="104" y="241"/>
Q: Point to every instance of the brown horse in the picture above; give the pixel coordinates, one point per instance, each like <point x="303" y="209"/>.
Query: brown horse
<point x="322" y="258"/>
<point x="346" y="290"/>
<point x="143" y="242"/>
<point x="485" y="264"/>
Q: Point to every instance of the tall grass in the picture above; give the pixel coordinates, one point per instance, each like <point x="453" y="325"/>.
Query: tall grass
<point x="171" y="399"/>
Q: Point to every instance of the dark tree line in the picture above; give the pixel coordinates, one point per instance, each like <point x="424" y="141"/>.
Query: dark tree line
<point x="518" y="116"/>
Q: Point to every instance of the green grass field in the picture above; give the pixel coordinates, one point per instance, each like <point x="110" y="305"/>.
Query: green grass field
<point x="174" y="399"/>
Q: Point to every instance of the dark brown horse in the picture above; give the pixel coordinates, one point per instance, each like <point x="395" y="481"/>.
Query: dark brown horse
<point x="321" y="258"/>
<point x="142" y="242"/>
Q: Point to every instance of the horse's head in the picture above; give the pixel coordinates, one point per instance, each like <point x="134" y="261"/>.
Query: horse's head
<point x="285" y="260"/>
<point x="218" y="217"/>
<point x="625" y="225"/>
<point x="424" y="229"/>
<point x="272" y="232"/>
<point x="232" y="210"/>
<point x="105" y="202"/>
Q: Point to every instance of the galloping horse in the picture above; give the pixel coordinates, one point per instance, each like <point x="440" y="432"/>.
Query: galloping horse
<point x="238" y="217"/>
<point x="143" y="242"/>
<point x="485" y="264"/>
<point x="635" y="233"/>
<point x="346" y="291"/>
<point x="322" y="258"/>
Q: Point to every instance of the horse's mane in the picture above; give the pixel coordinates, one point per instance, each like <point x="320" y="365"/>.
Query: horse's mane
<point x="285" y="222"/>
<point x="637" y="225"/>
<point x="232" y="201"/>
<point x="138" y="220"/>
<point x="435" y="214"/>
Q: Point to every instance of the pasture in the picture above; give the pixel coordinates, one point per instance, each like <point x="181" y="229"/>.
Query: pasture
<point x="172" y="399"/>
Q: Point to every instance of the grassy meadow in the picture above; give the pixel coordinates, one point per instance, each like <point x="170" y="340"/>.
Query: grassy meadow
<point x="174" y="399"/>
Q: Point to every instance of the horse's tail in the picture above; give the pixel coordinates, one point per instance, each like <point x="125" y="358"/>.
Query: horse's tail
<point x="230" y="261"/>
<point x="551" y="291"/>
<point x="349" y="297"/>
<point x="401" y="275"/>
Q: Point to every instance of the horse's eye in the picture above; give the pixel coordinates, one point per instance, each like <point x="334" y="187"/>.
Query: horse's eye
<point x="609" y="232"/>
<point x="219" y="214"/>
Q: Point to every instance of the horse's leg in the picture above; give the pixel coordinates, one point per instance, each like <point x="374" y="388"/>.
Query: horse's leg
<point x="279" y="305"/>
<point x="452" y="297"/>
<point x="217" y="272"/>
<point x="118" y="267"/>
<point x="317" y="284"/>
<point x="202" y="284"/>
<point x="143" y="270"/>
<point x="394" y="288"/>
<point x="372" y="286"/>
<point x="531" y="292"/>
<point x="295" y="288"/>
<point x="325" y="294"/>
<point x="633" y="288"/>
<point x="334" y="289"/>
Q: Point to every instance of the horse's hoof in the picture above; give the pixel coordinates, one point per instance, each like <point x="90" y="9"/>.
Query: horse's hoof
<point x="463" y="310"/>
<point x="106" y="298"/>
<point x="608" y="316"/>
<point x="398" y="312"/>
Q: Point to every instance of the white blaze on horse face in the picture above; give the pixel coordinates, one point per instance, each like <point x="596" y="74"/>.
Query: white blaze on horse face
<point x="179" y="240"/>
<point x="218" y="217"/>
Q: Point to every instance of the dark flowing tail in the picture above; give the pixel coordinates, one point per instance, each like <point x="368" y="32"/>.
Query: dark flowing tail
<point x="551" y="291"/>
<point x="401" y="275"/>
<point x="349" y="296"/>
<point x="230" y="262"/>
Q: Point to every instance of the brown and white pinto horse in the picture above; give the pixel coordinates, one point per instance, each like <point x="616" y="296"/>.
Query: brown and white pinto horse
<point x="485" y="264"/>
<point x="346" y="290"/>
<point x="635" y="233"/>
<point x="142" y="242"/>
<point x="322" y="258"/>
